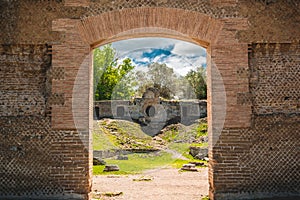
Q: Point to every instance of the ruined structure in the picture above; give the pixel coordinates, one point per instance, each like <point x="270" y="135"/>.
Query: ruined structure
<point x="151" y="111"/>
<point x="46" y="90"/>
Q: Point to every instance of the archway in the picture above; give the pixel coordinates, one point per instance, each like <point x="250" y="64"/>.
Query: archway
<point x="225" y="56"/>
<point x="156" y="92"/>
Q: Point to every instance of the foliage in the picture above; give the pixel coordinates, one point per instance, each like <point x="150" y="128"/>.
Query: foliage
<point x="197" y="80"/>
<point x="182" y="148"/>
<point x="170" y="85"/>
<point x="159" y="76"/>
<point x="180" y="132"/>
<point x="115" y="79"/>
<point x="112" y="80"/>
<point x="170" y="135"/>
<point x="205" y="198"/>
<point x="120" y="134"/>
<point x="202" y="129"/>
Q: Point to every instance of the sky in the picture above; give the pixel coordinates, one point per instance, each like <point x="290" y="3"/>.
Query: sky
<point x="180" y="55"/>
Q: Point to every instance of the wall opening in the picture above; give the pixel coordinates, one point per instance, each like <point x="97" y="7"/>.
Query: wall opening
<point x="150" y="96"/>
<point x="150" y="111"/>
<point x="120" y="111"/>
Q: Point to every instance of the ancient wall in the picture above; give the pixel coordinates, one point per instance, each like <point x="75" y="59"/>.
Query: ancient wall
<point x="45" y="101"/>
<point x="264" y="157"/>
<point x="135" y="110"/>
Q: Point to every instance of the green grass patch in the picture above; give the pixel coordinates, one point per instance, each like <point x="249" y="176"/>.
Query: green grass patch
<point x="101" y="141"/>
<point x="121" y="134"/>
<point x="137" y="163"/>
<point x="205" y="144"/>
<point x="170" y="135"/>
<point x="202" y="130"/>
<point x="183" y="149"/>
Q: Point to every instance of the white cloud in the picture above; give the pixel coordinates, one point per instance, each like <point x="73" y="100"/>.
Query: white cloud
<point x="180" y="65"/>
<point x="188" y="49"/>
<point x="184" y="56"/>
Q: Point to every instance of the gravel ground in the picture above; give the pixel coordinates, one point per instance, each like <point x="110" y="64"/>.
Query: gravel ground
<point x="166" y="184"/>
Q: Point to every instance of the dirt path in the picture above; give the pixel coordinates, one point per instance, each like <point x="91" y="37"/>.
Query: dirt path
<point x="167" y="184"/>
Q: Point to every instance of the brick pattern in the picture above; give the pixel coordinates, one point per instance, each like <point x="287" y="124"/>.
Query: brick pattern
<point x="24" y="75"/>
<point x="275" y="73"/>
<point x="37" y="162"/>
<point x="73" y="59"/>
<point x="277" y="151"/>
<point x="56" y="99"/>
<point x="202" y="6"/>
<point x="263" y="160"/>
<point x="143" y="21"/>
<point x="77" y="3"/>
<point x="58" y="73"/>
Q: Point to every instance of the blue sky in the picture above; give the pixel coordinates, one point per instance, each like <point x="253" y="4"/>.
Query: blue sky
<point x="180" y="55"/>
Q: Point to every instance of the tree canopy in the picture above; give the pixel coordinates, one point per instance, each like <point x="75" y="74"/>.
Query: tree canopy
<point x="115" y="79"/>
<point x="159" y="76"/>
<point x="197" y="80"/>
<point x="112" y="80"/>
<point x="170" y="86"/>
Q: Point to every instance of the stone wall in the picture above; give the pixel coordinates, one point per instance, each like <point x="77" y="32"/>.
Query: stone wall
<point x="25" y="80"/>
<point x="175" y="111"/>
<point x="263" y="157"/>
<point x="36" y="160"/>
<point x="45" y="102"/>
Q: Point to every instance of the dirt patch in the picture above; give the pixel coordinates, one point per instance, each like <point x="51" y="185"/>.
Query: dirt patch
<point x="167" y="184"/>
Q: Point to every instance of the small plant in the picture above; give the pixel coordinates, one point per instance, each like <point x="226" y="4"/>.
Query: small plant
<point x="205" y="198"/>
<point x="202" y="130"/>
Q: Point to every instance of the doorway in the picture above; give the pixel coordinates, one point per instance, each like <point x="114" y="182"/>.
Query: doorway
<point x="161" y="97"/>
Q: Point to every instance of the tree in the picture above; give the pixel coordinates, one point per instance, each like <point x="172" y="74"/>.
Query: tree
<point x="159" y="76"/>
<point x="197" y="80"/>
<point x="112" y="80"/>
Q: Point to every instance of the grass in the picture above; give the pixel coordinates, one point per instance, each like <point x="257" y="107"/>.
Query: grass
<point x="119" y="134"/>
<point x="137" y="163"/>
<point x="101" y="141"/>
<point x="183" y="149"/>
<point x="170" y="135"/>
<point x="204" y="144"/>
<point x="202" y="129"/>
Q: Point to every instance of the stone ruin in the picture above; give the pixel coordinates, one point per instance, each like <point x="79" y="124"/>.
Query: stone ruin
<point x="152" y="112"/>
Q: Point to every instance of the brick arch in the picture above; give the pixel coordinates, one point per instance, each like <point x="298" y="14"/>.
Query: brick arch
<point x="175" y="23"/>
<point x="228" y="84"/>
<point x="226" y="53"/>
